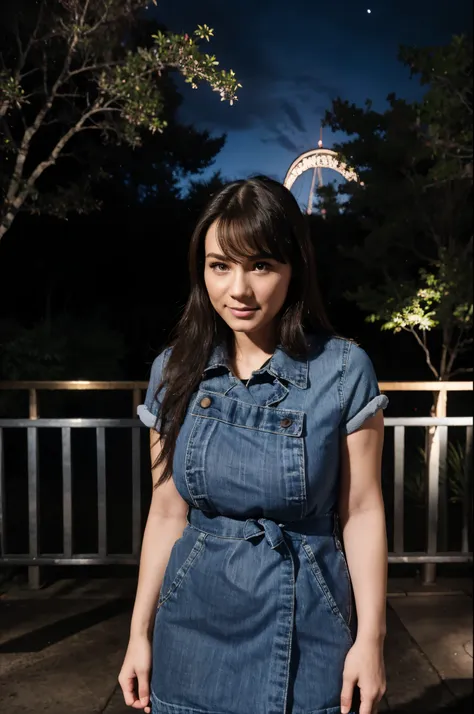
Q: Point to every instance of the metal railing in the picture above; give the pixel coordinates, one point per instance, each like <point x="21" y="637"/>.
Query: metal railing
<point x="34" y="557"/>
<point x="67" y="556"/>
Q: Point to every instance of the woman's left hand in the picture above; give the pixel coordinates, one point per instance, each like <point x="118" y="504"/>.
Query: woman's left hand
<point x="364" y="667"/>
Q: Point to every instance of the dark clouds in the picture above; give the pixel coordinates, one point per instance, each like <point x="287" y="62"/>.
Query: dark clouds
<point x="283" y="140"/>
<point x="294" y="116"/>
<point x="243" y="41"/>
<point x="293" y="58"/>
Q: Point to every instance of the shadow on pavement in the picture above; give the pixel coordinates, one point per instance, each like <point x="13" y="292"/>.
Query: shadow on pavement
<point x="55" y="632"/>
<point x="429" y="702"/>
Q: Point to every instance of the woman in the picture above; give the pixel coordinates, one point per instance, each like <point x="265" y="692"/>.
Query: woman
<point x="272" y="430"/>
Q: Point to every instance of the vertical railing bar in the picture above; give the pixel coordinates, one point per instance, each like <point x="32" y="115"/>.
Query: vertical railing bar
<point x="467" y="492"/>
<point x="137" y="398"/>
<point x="3" y="546"/>
<point x="443" y="493"/>
<point x="101" y="492"/>
<point x="67" y="490"/>
<point x="433" y="490"/>
<point x="33" y="404"/>
<point x="399" y="483"/>
<point x="33" y="510"/>
<point x="34" y="572"/>
<point x="136" y="492"/>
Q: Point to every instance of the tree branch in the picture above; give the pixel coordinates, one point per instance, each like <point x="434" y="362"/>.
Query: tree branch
<point x="93" y="68"/>
<point x="17" y="175"/>
<point x="424" y="346"/>
<point x="99" y="22"/>
<point x="98" y="108"/>
<point x="461" y="370"/>
<point x="460" y="95"/>
<point x="84" y="12"/>
<point x="24" y="52"/>
<point x="453" y="353"/>
<point x="6" y="128"/>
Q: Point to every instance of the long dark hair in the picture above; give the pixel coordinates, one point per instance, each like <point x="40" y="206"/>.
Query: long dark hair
<point x="254" y="216"/>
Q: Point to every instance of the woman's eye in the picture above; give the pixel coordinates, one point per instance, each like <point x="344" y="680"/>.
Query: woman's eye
<point x="218" y="267"/>
<point x="261" y="266"/>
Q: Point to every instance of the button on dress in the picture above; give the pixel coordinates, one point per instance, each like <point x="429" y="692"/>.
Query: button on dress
<point x="255" y="613"/>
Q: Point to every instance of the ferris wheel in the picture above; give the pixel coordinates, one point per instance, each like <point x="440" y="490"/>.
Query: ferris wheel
<point x="317" y="160"/>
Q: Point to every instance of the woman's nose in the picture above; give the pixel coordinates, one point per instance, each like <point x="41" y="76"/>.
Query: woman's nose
<point x="240" y="287"/>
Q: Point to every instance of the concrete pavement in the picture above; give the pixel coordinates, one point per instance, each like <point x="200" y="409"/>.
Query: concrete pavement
<point x="61" y="647"/>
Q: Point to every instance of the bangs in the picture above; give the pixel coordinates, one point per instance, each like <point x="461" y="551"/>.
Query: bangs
<point x="245" y="234"/>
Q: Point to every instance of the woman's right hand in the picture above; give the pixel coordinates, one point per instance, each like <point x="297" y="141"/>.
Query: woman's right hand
<point x="134" y="677"/>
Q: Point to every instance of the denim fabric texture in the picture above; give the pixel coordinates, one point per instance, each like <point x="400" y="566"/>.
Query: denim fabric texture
<point x="255" y="614"/>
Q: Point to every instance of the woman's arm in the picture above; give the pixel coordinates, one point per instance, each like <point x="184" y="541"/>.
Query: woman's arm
<point x="165" y="524"/>
<point x="362" y="517"/>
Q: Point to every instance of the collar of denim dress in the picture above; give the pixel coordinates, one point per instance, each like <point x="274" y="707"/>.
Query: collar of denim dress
<point x="281" y="365"/>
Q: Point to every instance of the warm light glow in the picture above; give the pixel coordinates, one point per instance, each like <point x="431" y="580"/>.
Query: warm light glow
<point x="318" y="158"/>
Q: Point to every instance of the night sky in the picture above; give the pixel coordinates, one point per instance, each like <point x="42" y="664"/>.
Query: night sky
<point x="293" y="57"/>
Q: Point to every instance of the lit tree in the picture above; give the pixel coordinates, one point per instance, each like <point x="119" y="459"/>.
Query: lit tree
<point x="71" y="66"/>
<point x="415" y="205"/>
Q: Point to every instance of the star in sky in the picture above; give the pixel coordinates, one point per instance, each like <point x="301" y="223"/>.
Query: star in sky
<point x="294" y="59"/>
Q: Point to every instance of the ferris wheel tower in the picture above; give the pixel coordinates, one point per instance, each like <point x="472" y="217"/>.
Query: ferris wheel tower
<point x="317" y="175"/>
<point x="316" y="160"/>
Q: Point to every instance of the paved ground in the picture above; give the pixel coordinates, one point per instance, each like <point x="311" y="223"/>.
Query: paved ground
<point x="61" y="647"/>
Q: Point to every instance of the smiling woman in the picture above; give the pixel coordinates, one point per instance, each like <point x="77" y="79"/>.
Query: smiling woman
<point x="270" y="435"/>
<point x="252" y="290"/>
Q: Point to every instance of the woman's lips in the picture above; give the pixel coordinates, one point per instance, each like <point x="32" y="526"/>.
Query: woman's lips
<point x="243" y="313"/>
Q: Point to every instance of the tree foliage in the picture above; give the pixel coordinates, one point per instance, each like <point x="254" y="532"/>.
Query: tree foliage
<point x="74" y="66"/>
<point x="445" y="113"/>
<point x="327" y="200"/>
<point x="61" y="347"/>
<point x="415" y="206"/>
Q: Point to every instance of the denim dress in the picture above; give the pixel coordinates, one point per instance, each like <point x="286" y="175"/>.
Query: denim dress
<point x="255" y="613"/>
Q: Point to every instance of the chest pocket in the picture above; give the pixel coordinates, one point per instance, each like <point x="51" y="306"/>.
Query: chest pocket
<point x="246" y="459"/>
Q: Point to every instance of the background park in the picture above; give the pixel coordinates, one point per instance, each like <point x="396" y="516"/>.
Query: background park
<point x="118" y="120"/>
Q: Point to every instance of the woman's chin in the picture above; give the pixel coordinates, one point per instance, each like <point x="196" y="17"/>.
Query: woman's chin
<point x="247" y="327"/>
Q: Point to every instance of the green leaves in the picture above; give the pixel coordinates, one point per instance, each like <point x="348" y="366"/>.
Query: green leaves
<point x="432" y="301"/>
<point x="417" y="310"/>
<point x="414" y="263"/>
<point x="131" y="89"/>
<point x="182" y="53"/>
<point x="11" y="91"/>
<point x="204" y="32"/>
<point x="86" y="67"/>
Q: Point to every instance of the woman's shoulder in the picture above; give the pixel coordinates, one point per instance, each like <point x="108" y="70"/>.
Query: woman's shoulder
<point x="159" y="364"/>
<point x="341" y="352"/>
<point x="322" y="342"/>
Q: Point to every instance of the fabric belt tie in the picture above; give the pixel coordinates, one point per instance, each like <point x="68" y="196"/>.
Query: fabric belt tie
<point x="274" y="533"/>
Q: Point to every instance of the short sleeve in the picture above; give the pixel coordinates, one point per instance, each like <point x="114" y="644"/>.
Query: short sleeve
<point x="149" y="411"/>
<point x="360" y="390"/>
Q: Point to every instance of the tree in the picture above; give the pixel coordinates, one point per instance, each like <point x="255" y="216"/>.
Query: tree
<point x="327" y="200"/>
<point x="200" y="192"/>
<point x="73" y="66"/>
<point x="445" y="114"/>
<point x="61" y="348"/>
<point x="415" y="205"/>
<point x="416" y="256"/>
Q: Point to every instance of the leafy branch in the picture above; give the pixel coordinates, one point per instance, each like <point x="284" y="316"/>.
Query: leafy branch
<point x="74" y="69"/>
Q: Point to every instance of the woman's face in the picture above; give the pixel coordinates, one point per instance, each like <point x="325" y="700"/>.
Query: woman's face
<point x="248" y="295"/>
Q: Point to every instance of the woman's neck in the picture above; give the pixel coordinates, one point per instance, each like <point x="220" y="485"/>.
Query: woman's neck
<point x="251" y="351"/>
